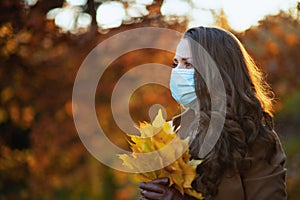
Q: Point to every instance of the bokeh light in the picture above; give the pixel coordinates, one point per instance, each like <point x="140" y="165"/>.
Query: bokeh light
<point x="66" y="18"/>
<point x="110" y="14"/>
<point x="77" y="2"/>
<point x="240" y="15"/>
<point x="175" y="8"/>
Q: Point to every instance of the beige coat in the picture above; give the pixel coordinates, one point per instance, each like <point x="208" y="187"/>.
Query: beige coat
<point x="263" y="181"/>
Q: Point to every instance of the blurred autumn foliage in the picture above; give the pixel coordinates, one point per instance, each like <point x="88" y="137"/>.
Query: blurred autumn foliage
<point x="41" y="155"/>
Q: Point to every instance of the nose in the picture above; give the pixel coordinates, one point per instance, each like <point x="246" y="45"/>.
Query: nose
<point x="180" y="65"/>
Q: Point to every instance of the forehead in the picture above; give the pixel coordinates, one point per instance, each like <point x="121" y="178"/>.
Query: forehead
<point x="183" y="49"/>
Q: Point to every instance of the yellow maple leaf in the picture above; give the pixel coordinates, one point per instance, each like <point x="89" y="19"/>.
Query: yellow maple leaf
<point x="158" y="120"/>
<point x="173" y="155"/>
<point x="146" y="130"/>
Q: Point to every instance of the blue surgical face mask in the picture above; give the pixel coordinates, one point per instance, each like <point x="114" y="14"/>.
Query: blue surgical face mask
<point x="183" y="87"/>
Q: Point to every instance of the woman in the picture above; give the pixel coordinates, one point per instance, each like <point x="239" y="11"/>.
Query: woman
<point x="245" y="160"/>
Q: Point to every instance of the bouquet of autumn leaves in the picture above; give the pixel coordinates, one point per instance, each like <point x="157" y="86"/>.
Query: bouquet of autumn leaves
<point x="174" y="160"/>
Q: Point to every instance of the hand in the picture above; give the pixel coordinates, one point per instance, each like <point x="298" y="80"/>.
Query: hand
<point x="159" y="190"/>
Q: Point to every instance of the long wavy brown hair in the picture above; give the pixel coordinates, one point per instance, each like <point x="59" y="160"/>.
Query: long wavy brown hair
<point x="248" y="117"/>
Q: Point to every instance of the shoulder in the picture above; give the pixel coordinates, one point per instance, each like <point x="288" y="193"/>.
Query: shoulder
<point x="263" y="180"/>
<point x="266" y="179"/>
<point x="260" y="166"/>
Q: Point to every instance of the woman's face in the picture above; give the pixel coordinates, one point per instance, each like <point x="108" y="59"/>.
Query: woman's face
<point x="183" y="57"/>
<point x="182" y="84"/>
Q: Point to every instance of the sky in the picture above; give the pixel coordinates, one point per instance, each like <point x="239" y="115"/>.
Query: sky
<point x="241" y="14"/>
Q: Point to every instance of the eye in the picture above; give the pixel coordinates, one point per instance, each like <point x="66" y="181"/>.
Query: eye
<point x="174" y="64"/>
<point x="188" y="65"/>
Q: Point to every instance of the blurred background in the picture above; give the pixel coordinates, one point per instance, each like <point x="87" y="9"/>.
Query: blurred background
<point x="42" y="45"/>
